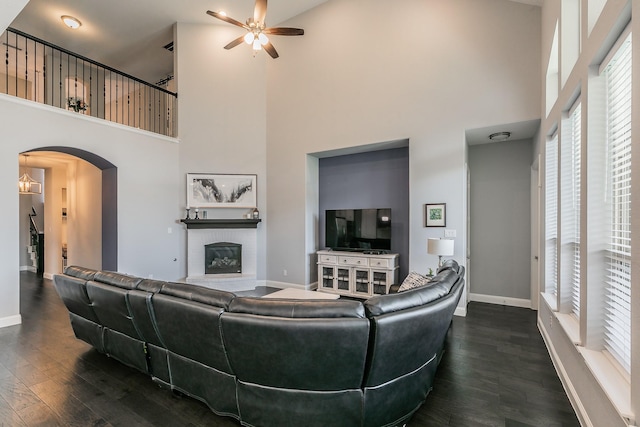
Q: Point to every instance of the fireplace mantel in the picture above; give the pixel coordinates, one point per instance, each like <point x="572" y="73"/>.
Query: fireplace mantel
<point x="220" y="223"/>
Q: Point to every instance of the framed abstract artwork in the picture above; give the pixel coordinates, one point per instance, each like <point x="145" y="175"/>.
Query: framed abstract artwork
<point x="435" y="215"/>
<point x="206" y="190"/>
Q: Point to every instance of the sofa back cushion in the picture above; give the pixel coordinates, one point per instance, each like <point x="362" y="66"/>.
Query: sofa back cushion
<point x="120" y="280"/>
<point x="141" y="310"/>
<point x="436" y="288"/>
<point x="297" y="308"/>
<point x="214" y="297"/>
<point x="404" y="340"/>
<point x="187" y="319"/>
<point x="112" y="308"/>
<point x="291" y="345"/>
<point x="450" y="264"/>
<point x="80" y="272"/>
<point x="73" y="292"/>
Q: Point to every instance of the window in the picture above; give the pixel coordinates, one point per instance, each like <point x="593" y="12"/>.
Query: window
<point x="617" y="334"/>
<point x="551" y="216"/>
<point x="570" y="219"/>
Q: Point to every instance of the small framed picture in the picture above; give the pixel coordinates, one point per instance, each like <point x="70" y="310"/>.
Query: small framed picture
<point x="205" y="190"/>
<point x="435" y="215"/>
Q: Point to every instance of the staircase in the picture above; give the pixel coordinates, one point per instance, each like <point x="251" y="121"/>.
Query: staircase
<point x="36" y="246"/>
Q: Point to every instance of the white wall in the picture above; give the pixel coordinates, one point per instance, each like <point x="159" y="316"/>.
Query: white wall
<point x="84" y="215"/>
<point x="222" y="117"/>
<point x="10" y="9"/>
<point x="55" y="181"/>
<point x="148" y="188"/>
<point x="365" y="72"/>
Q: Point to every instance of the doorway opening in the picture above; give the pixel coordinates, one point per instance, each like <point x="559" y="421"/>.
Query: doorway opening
<point x="76" y="214"/>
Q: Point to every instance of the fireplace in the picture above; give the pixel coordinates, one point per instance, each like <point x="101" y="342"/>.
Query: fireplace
<point x="222" y="258"/>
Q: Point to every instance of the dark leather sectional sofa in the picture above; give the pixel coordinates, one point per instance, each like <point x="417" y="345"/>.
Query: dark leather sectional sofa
<point x="270" y="362"/>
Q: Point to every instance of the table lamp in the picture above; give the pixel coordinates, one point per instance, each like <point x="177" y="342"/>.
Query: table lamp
<point x="440" y="247"/>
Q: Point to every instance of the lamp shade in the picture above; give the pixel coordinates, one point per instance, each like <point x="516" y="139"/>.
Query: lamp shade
<point x="436" y="246"/>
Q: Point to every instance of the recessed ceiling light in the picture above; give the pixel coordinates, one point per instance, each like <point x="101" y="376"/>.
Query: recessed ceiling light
<point x="500" y="136"/>
<point x="71" y="22"/>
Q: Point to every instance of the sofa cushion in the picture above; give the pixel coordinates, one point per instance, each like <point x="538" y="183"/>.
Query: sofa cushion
<point x="73" y="292"/>
<point x="151" y="285"/>
<point x="297" y="308"/>
<point x="117" y="279"/>
<point x="439" y="286"/>
<point x="199" y="294"/>
<point x="80" y="272"/>
<point x="413" y="280"/>
<point x="450" y="264"/>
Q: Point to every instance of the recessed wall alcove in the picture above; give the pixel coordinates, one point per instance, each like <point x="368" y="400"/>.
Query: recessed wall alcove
<point x="372" y="176"/>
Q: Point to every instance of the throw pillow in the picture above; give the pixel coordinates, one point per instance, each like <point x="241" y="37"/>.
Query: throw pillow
<point x="413" y="280"/>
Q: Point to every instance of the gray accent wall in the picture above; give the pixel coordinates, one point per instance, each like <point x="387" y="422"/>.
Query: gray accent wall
<point x="501" y="219"/>
<point x="376" y="179"/>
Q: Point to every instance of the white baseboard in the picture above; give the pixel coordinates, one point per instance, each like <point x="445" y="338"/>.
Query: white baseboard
<point x="48" y="276"/>
<point x="492" y="299"/>
<point x="28" y="268"/>
<point x="10" y="321"/>
<point x="460" y="311"/>
<point x="574" y="398"/>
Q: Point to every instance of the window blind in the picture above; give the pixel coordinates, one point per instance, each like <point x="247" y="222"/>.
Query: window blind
<point x="617" y="333"/>
<point x="576" y="122"/>
<point x="551" y="216"/>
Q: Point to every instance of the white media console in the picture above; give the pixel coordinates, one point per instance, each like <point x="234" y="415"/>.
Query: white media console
<point x="356" y="274"/>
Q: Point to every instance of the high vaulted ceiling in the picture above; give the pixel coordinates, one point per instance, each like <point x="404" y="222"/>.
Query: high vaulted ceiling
<point x="130" y="35"/>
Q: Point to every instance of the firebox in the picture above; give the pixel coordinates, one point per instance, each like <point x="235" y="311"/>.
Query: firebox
<point x="222" y="258"/>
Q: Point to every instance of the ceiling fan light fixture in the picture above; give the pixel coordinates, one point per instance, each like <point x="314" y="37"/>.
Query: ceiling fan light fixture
<point x="71" y="22"/>
<point x="257" y="31"/>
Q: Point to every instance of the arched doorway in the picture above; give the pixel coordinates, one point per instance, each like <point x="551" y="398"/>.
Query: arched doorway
<point x="102" y="200"/>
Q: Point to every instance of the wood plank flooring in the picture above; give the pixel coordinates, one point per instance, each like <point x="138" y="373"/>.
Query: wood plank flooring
<point x="496" y="372"/>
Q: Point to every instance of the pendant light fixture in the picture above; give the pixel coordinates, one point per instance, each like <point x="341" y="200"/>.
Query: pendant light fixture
<point x="26" y="184"/>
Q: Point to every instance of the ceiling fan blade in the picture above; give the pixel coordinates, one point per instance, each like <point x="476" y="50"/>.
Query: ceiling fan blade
<point x="234" y="43"/>
<point x="227" y="19"/>
<point x="270" y="50"/>
<point x="260" y="11"/>
<point x="284" y="31"/>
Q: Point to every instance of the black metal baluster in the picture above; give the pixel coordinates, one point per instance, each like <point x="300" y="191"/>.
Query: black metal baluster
<point x="91" y="87"/>
<point x="156" y="117"/>
<point x="44" y="74"/>
<point x="60" y="82"/>
<point x="6" y="62"/>
<point x="16" y="73"/>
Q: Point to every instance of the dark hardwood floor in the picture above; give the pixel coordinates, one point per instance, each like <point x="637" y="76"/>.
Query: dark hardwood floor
<point x="495" y="372"/>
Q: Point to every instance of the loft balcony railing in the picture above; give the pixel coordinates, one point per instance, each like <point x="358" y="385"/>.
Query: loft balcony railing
<point x="42" y="72"/>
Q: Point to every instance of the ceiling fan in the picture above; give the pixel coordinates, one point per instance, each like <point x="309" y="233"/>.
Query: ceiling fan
<point x="257" y="35"/>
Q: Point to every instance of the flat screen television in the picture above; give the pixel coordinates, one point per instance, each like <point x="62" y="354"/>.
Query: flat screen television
<point x="360" y="230"/>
